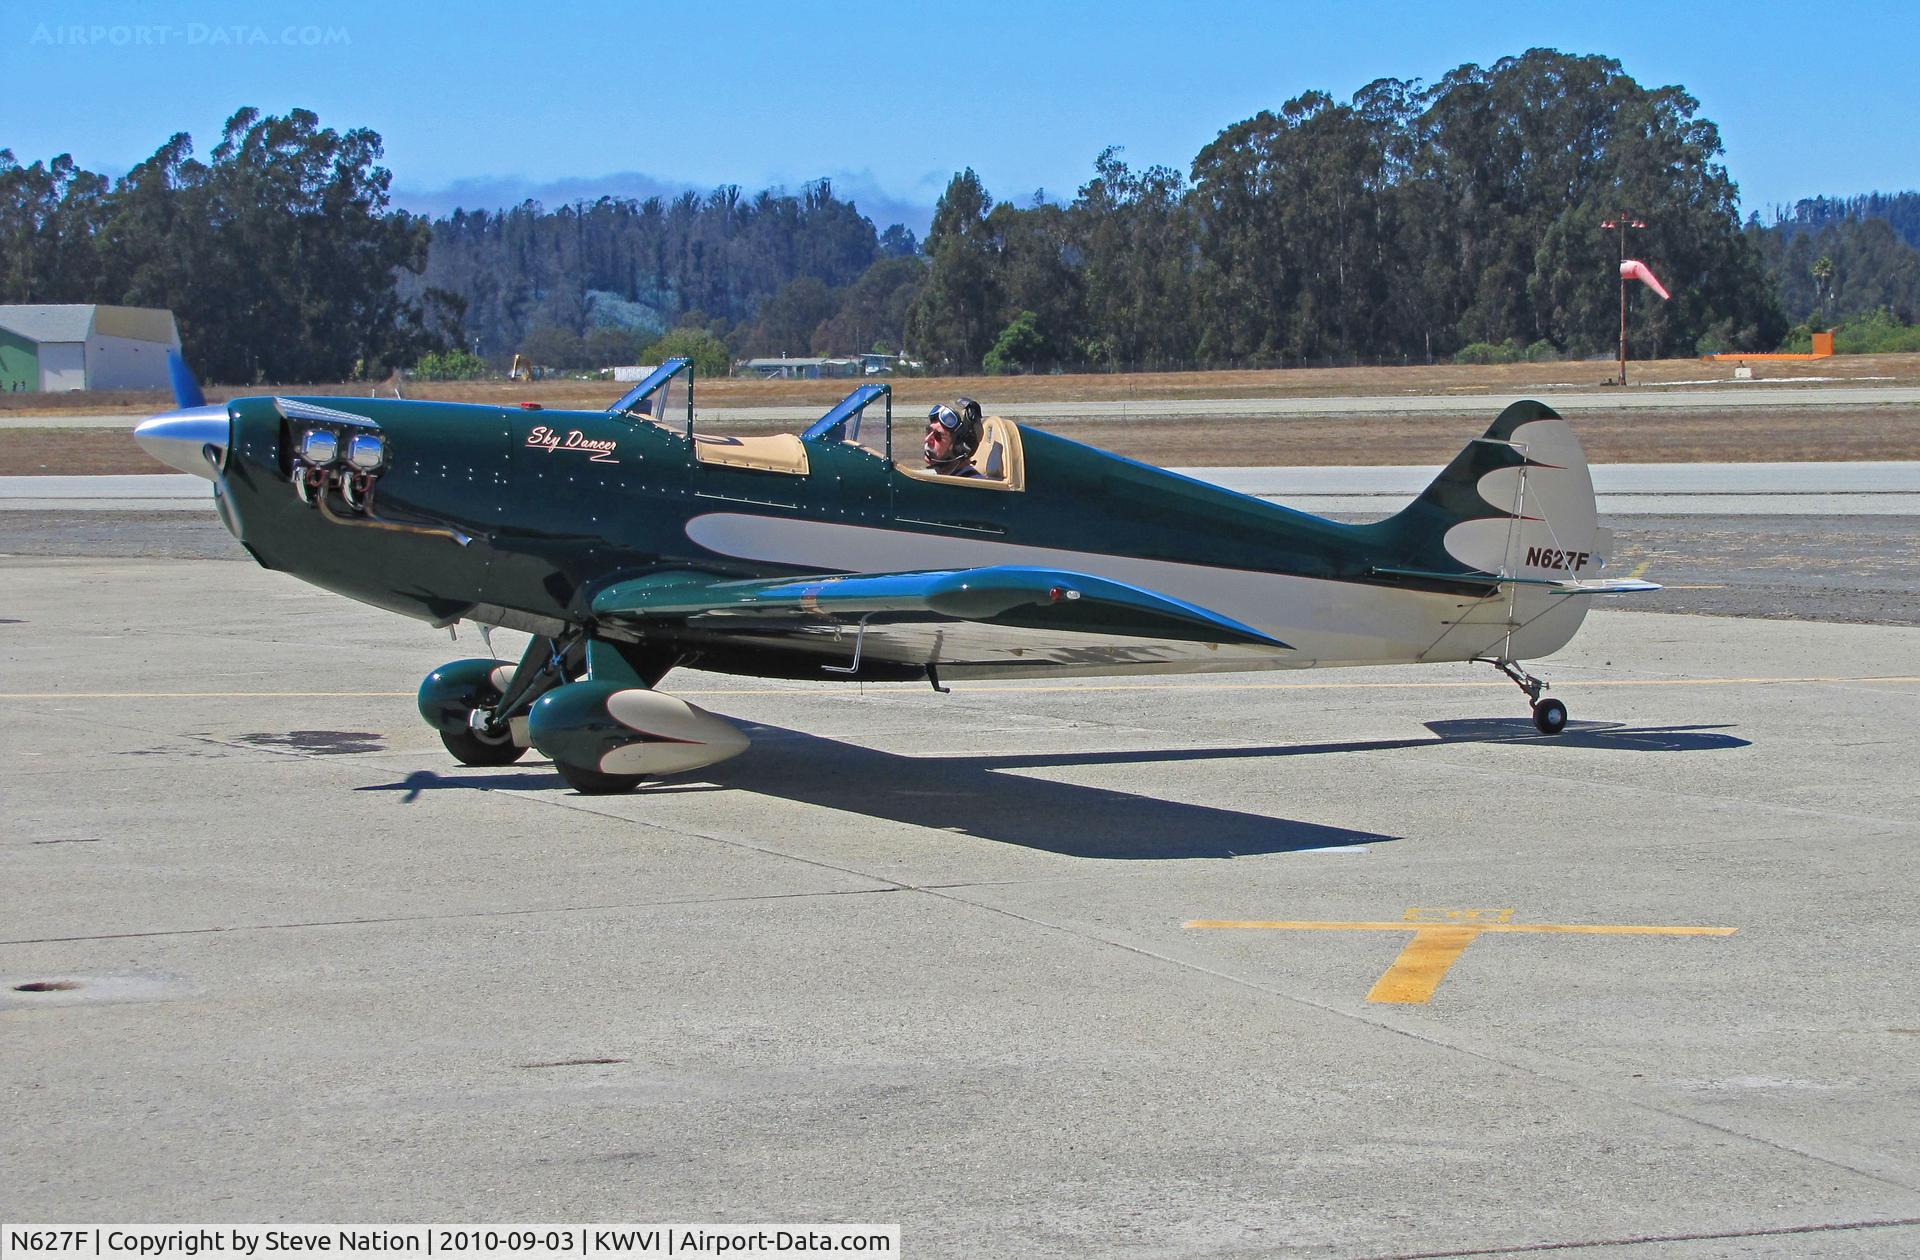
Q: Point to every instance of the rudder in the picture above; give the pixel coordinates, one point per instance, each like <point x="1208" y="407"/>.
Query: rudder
<point x="1516" y="503"/>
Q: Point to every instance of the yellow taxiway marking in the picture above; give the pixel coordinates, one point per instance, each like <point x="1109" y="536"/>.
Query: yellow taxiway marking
<point x="803" y="689"/>
<point x="1640" y="570"/>
<point x="1440" y="936"/>
<point x="1422" y="965"/>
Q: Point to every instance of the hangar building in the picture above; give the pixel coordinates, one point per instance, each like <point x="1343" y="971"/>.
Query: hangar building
<point x="57" y="348"/>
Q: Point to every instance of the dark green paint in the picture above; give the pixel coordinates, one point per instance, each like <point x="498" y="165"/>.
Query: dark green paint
<point x="551" y="528"/>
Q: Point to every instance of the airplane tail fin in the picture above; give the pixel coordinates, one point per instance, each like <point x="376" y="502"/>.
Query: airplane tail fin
<point x="1514" y="510"/>
<point x="1518" y="501"/>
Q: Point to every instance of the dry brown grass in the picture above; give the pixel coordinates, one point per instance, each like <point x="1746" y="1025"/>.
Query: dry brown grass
<point x="1734" y="436"/>
<point x="1508" y="379"/>
<point x="28" y="452"/>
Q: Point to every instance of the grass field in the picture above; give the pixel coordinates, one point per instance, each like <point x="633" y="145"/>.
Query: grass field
<point x="1345" y="382"/>
<point x="1703" y="434"/>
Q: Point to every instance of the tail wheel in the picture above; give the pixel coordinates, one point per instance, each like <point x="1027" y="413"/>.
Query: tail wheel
<point x="1550" y="717"/>
<point x="594" y="783"/>
<point x="471" y="748"/>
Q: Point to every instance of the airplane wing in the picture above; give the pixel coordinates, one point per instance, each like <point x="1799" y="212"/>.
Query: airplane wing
<point x="994" y="621"/>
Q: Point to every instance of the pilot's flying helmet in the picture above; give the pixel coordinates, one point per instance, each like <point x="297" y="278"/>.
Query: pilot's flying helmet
<point x="962" y="420"/>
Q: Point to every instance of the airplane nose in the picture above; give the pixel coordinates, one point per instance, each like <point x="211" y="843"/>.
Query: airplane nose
<point x="179" y="439"/>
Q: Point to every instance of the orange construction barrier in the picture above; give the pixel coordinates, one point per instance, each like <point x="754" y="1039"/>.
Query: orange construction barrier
<point x="1822" y="349"/>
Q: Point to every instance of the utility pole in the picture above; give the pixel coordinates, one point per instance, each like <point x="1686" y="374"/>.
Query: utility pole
<point x="1622" y="222"/>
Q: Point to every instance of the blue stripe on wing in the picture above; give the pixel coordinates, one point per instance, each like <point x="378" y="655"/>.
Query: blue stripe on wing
<point x="1021" y="596"/>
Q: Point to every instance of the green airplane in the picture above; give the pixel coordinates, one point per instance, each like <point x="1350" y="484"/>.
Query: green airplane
<point x="628" y="544"/>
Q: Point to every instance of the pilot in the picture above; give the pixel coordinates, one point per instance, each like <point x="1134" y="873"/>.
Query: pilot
<point x="953" y="433"/>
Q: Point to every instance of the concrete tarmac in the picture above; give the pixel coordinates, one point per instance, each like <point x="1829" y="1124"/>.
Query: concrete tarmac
<point x="267" y="953"/>
<point x="1568" y="400"/>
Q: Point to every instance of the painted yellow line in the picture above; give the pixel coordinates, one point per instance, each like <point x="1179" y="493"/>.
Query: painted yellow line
<point x="1018" y="688"/>
<point x="1424" y="960"/>
<point x="1640" y="570"/>
<point x="1577" y="929"/>
<point x="1422" y="965"/>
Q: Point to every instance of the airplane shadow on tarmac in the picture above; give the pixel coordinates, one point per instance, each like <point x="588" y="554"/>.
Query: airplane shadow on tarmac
<point x="976" y="796"/>
<point x="1614" y="735"/>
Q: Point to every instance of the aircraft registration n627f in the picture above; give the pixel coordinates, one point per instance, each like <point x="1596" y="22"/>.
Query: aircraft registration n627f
<point x="627" y="545"/>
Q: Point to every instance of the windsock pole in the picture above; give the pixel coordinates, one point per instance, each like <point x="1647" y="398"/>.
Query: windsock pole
<point x="1623" y="310"/>
<point x="1623" y="222"/>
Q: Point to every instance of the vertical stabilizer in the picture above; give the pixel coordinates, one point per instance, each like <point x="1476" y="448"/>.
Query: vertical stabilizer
<point x="1518" y="504"/>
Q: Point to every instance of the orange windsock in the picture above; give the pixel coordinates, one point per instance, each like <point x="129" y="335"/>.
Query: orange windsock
<point x="1631" y="269"/>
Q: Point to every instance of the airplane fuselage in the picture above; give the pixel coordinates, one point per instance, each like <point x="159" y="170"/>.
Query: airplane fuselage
<point x="556" y="504"/>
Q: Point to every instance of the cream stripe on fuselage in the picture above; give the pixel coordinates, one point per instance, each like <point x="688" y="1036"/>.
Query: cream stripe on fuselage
<point x="1327" y="622"/>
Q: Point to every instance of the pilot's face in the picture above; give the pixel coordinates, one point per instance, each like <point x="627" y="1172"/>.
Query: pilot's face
<point x="939" y="440"/>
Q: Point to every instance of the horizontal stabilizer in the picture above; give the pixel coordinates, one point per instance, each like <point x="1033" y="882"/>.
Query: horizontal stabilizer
<point x="1558" y="586"/>
<point x="1605" y="586"/>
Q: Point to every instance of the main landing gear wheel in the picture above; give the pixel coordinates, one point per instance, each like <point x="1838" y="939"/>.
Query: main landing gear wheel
<point x="594" y="783"/>
<point x="471" y="748"/>
<point x="1550" y="717"/>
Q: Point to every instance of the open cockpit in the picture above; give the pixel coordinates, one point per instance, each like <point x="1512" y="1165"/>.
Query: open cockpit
<point x="998" y="461"/>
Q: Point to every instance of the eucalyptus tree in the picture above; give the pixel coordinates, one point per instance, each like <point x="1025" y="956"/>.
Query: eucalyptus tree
<point x="953" y="322"/>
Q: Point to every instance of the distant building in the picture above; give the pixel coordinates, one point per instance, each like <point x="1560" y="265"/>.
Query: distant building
<point x="802" y="369"/>
<point x="877" y="363"/>
<point x="52" y="349"/>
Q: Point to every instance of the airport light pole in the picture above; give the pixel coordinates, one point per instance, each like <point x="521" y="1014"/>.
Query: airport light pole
<point x="1622" y="222"/>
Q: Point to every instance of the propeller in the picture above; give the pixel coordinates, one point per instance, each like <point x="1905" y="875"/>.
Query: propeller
<point x="193" y="437"/>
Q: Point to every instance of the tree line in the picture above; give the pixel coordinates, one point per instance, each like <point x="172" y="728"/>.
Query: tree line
<point x="278" y="255"/>
<point x="1835" y="259"/>
<point x="1410" y="223"/>
<point x="578" y="283"/>
<point x="1900" y="211"/>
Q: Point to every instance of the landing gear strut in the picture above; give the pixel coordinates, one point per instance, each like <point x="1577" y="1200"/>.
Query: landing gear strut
<point x="588" y="705"/>
<point x="476" y="715"/>
<point x="611" y="730"/>
<point x="1549" y="716"/>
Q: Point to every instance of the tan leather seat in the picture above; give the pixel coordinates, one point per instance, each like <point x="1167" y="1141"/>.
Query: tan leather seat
<point x="777" y="452"/>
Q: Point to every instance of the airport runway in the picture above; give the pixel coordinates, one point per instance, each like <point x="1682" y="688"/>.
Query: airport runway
<point x="1569" y="400"/>
<point x="1342" y="964"/>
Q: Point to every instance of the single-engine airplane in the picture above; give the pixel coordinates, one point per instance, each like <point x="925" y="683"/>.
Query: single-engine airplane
<point x="628" y="544"/>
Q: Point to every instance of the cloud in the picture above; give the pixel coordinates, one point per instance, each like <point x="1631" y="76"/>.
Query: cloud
<point x="498" y="192"/>
<point x="883" y="207"/>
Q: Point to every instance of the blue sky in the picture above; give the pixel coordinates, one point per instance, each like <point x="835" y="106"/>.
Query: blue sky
<point x="485" y="103"/>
